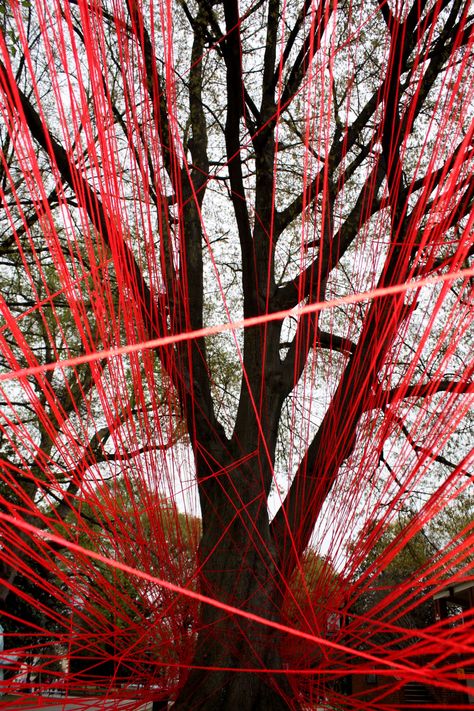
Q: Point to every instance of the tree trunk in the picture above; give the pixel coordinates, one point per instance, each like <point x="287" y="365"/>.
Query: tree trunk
<point x="238" y="567"/>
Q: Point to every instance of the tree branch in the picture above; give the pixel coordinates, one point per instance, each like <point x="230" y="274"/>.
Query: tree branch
<point x="429" y="389"/>
<point x="153" y="307"/>
<point x="157" y="94"/>
<point x="234" y="87"/>
<point x="427" y="452"/>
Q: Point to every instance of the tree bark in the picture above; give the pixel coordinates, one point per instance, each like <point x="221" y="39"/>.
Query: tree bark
<point x="238" y="567"/>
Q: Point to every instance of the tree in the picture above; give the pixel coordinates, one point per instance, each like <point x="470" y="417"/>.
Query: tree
<point x="293" y="154"/>
<point x="387" y="568"/>
<point x="108" y="644"/>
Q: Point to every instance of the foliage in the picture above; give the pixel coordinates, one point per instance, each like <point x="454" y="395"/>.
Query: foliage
<point x="113" y="626"/>
<point x="416" y="559"/>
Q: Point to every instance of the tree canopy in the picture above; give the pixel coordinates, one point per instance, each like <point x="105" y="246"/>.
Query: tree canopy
<point x="236" y="249"/>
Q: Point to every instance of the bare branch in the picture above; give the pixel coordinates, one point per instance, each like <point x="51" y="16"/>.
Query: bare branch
<point x="430" y="388"/>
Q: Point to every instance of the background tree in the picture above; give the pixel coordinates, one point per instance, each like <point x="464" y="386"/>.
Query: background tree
<point x="387" y="566"/>
<point x="142" y="633"/>
<point x="205" y="160"/>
